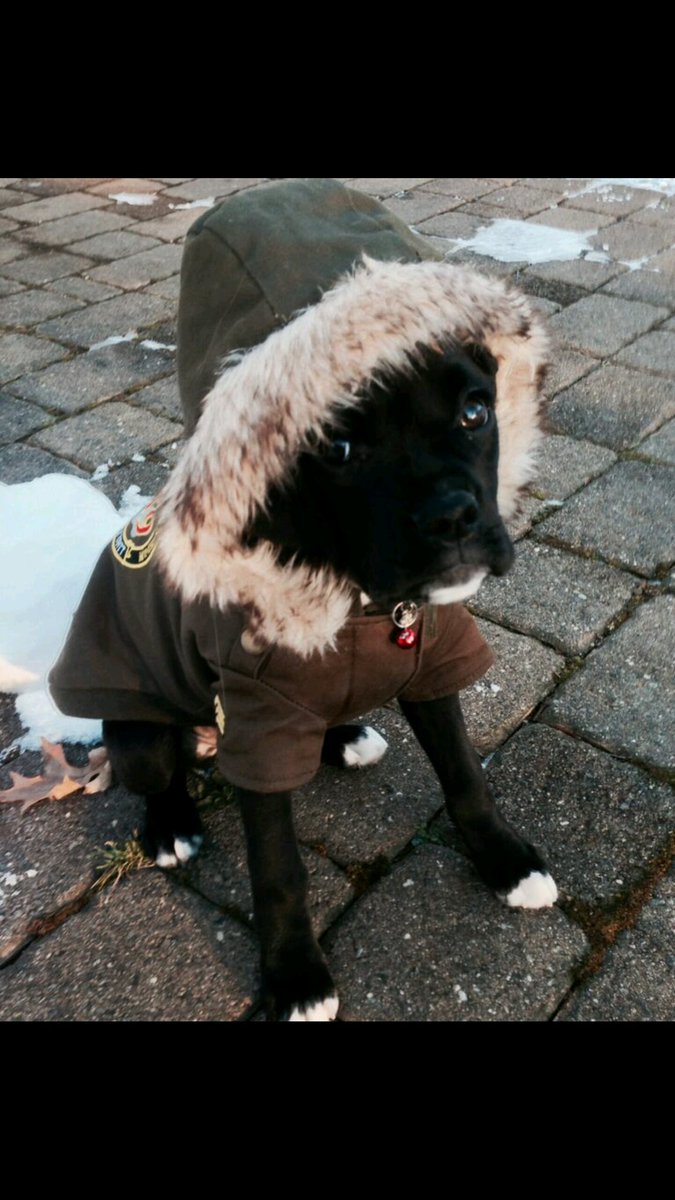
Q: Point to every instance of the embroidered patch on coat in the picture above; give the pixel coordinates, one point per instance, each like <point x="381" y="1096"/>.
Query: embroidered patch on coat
<point x="135" y="545"/>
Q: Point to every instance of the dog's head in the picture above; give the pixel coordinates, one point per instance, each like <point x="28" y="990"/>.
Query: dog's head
<point x="399" y="494"/>
<point x="376" y="442"/>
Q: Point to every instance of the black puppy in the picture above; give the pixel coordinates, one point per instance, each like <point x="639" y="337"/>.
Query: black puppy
<point x="400" y="496"/>
<point x="344" y="489"/>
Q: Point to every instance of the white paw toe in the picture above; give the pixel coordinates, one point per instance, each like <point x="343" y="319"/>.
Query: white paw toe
<point x="166" y="860"/>
<point x="186" y="848"/>
<point x="324" y="1010"/>
<point x="536" y="890"/>
<point x="367" y="749"/>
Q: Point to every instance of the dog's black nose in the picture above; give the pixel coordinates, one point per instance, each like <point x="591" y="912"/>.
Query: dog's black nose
<point x="448" y="518"/>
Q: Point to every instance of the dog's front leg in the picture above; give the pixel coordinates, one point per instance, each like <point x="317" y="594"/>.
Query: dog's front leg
<point x="296" y="982"/>
<point x="506" y="861"/>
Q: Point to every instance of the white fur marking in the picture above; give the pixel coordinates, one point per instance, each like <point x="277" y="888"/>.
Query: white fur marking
<point x="186" y="848"/>
<point x="460" y="591"/>
<point x="537" y="890"/>
<point x="367" y="749"/>
<point x="166" y="860"/>
<point x="325" y="1010"/>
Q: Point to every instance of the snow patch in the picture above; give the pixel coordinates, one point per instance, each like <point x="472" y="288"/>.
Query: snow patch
<point x="131" y="503"/>
<point x="666" y="186"/>
<point x="148" y="344"/>
<point x="207" y="202"/>
<point x="114" y="339"/>
<point x="520" y="241"/>
<point x="54" y="529"/>
<point x="134" y="197"/>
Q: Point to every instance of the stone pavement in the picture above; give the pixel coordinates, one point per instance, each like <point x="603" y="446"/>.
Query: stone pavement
<point x="579" y="708"/>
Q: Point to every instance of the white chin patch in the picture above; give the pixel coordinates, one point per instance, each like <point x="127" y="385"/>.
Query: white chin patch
<point x="325" y="1010"/>
<point x="458" y="591"/>
<point x="537" y="890"/>
<point x="367" y="749"/>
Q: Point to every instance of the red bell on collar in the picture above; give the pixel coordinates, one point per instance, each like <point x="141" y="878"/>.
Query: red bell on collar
<point x="406" y="638"/>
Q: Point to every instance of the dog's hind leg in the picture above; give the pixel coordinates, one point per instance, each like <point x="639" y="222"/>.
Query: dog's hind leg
<point x="148" y="759"/>
<point x="352" y="746"/>
<point x="296" y="982"/>
<point x="506" y="861"/>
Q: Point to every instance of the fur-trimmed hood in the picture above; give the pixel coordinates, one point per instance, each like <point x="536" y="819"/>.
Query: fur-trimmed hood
<point x="267" y="401"/>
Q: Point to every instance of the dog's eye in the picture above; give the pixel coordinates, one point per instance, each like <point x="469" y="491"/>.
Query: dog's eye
<point x="474" y="414"/>
<point x="337" y="452"/>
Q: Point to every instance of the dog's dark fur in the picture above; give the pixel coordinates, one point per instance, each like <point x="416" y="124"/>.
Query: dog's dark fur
<point x="400" y="497"/>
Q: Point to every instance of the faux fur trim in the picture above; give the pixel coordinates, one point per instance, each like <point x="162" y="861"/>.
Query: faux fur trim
<point x="258" y="416"/>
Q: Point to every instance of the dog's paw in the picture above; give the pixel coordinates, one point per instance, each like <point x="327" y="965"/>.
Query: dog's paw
<point x="300" y="987"/>
<point x="322" y="1010"/>
<point x="536" y="890"/>
<point x="172" y="850"/>
<point x="353" y="746"/>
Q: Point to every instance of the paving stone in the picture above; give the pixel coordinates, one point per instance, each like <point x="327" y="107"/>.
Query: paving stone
<point x="146" y="475"/>
<point x="4" y="182"/>
<point x="20" y="352"/>
<point x="565" y="187"/>
<point x="81" y="185"/>
<point x="579" y="272"/>
<point x="516" y="202"/>
<point x="654" y="352"/>
<point x="168" y="288"/>
<point x="631" y="241"/>
<point x="623" y="698"/>
<point x="661" y="445"/>
<point x="566" y="368"/>
<point x="598" y="822"/>
<point x="565" y="464"/>
<point x="613" y="406"/>
<point x="6" y="226"/>
<point x="51" y="852"/>
<point x="456" y="254"/>
<point x="83" y="289"/>
<point x="522" y="675"/>
<point x="615" y="200"/>
<point x="25" y="309"/>
<point x="74" y="228"/>
<point x="172" y="227"/>
<point x="626" y="516"/>
<point x="385" y="187"/>
<point x="8" y="287"/>
<point x="220" y="872"/>
<point x="111" y="187"/>
<point x="108" y="319"/>
<point x="665" y="263"/>
<point x="649" y="285"/>
<point x="546" y="307"/>
<point x="637" y="979"/>
<point x="153" y="952"/>
<point x="20" y="464"/>
<point x="669" y="324"/>
<point x="559" y="598"/>
<point x="7" y="196"/>
<point x="556" y="290"/>
<point x="18" y="419"/>
<point x="10" y="251"/>
<point x="90" y="378"/>
<point x="603" y="324"/>
<point x="416" y="206"/>
<point x="43" y="268"/>
<point x="361" y="816"/>
<point x="431" y="943"/>
<point x="186" y="180"/>
<point x="114" y="431"/>
<point x="571" y="218"/>
<point x="117" y="244"/>
<point x="161" y="398"/>
<point x="140" y="269"/>
<point x="200" y="189"/>
<point x="64" y="205"/>
<point x="454" y="225"/>
<point x="460" y="191"/>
